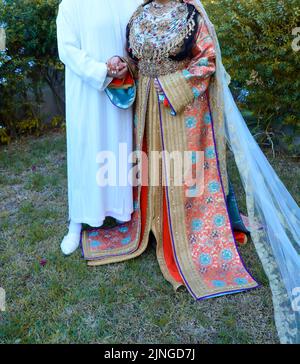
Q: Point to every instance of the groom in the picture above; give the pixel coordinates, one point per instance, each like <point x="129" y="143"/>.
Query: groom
<point x="89" y="33"/>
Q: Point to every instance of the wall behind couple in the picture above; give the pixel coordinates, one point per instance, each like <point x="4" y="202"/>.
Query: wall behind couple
<point x="256" y="39"/>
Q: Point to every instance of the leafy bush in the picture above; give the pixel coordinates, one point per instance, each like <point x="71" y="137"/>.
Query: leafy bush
<point x="256" y="39"/>
<point x="29" y="63"/>
<point x="255" y="36"/>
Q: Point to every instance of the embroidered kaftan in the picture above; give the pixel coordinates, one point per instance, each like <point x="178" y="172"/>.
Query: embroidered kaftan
<point x="195" y="242"/>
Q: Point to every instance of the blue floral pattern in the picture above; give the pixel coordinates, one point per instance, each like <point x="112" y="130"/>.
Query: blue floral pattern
<point x="214" y="187"/>
<point x="196" y="92"/>
<point x="219" y="220"/>
<point x="203" y="62"/>
<point x="197" y="225"/>
<point x="187" y="74"/>
<point x="95" y="244"/>
<point x="205" y="259"/>
<point x="241" y="281"/>
<point x="210" y="152"/>
<point x="207" y="119"/>
<point x="218" y="283"/>
<point x="126" y="241"/>
<point x="227" y="255"/>
<point x="190" y="122"/>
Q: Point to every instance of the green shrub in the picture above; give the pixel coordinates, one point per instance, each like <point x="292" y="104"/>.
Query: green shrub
<point x="256" y="39"/>
<point x="29" y="63"/>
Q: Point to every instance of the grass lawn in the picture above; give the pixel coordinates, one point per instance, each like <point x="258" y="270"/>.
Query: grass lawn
<point x="67" y="302"/>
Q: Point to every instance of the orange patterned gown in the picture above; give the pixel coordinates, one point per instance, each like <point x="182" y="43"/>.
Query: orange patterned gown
<point x="195" y="242"/>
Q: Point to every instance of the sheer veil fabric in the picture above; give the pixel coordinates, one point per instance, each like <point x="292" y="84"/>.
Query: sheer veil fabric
<point x="268" y="201"/>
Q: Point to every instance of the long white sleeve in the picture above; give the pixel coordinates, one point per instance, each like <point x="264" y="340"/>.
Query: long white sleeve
<point x="71" y="54"/>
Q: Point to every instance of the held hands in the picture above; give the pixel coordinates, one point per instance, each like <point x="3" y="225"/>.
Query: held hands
<point x="117" y="68"/>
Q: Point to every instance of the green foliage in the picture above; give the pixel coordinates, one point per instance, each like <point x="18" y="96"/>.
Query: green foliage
<point x="29" y="63"/>
<point x="256" y="40"/>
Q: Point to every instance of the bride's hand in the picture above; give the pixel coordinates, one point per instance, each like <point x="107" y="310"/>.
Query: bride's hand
<point x="121" y="74"/>
<point x="117" y="68"/>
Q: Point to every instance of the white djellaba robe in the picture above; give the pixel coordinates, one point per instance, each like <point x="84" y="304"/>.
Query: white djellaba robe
<point x="89" y="33"/>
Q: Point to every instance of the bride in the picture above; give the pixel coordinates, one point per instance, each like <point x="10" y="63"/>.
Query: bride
<point x="184" y="105"/>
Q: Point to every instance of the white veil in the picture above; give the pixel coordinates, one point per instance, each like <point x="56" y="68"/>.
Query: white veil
<point x="269" y="202"/>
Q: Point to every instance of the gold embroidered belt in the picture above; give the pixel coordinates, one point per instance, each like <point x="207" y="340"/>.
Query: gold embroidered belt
<point x="154" y="69"/>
